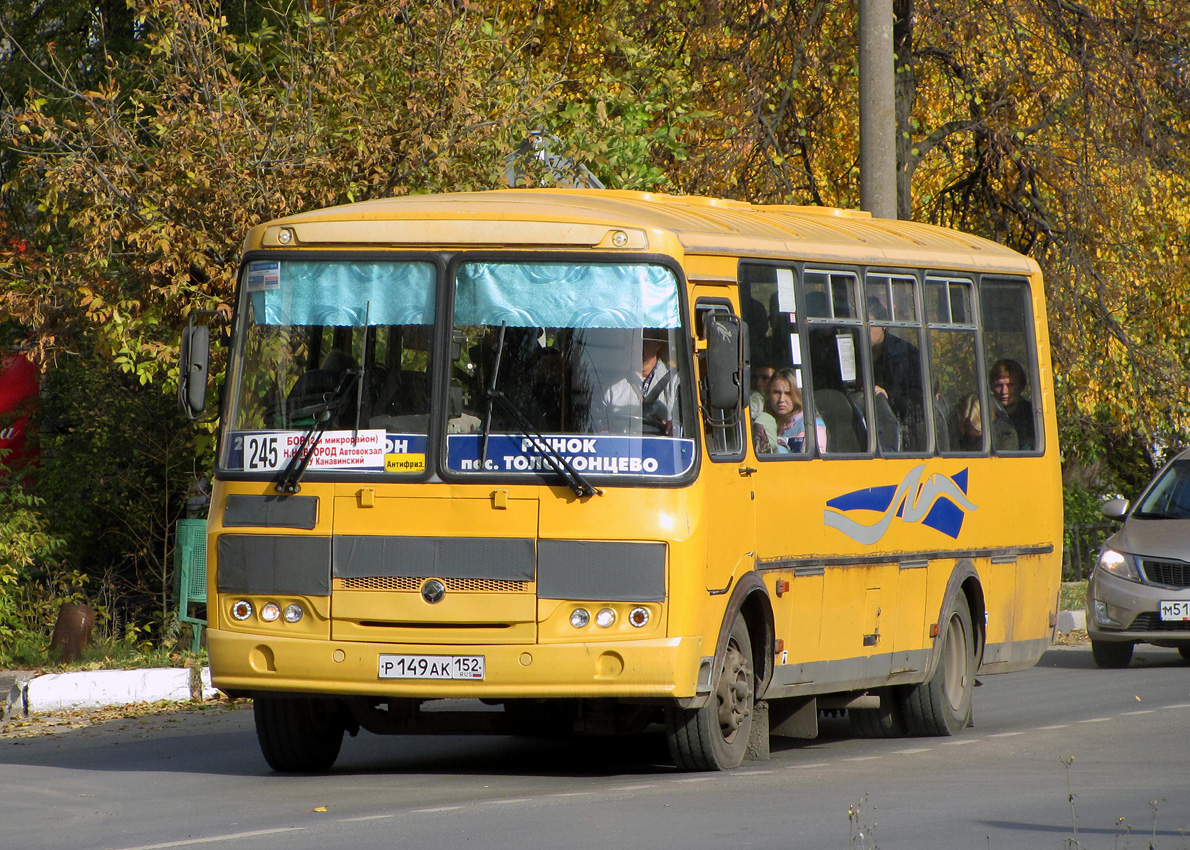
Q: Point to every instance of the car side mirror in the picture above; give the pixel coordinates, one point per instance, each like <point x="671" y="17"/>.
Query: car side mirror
<point x="1114" y="509"/>
<point x="194" y="357"/>
<point x="725" y="366"/>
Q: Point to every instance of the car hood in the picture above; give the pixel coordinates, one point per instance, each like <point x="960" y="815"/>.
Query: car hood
<point x="1154" y="538"/>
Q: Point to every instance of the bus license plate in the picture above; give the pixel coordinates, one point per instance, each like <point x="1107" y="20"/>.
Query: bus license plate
<point x="1177" y="611"/>
<point x="432" y="667"/>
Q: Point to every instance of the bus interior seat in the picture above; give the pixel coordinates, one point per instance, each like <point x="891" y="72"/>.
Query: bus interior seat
<point x="844" y="430"/>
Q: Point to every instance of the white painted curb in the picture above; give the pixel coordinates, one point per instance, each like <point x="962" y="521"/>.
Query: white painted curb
<point x="1068" y="621"/>
<point x="104" y="688"/>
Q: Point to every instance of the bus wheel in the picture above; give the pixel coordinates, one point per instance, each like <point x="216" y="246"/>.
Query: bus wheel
<point x="1112" y="655"/>
<point x="298" y="735"/>
<point x="715" y="736"/>
<point x="942" y="706"/>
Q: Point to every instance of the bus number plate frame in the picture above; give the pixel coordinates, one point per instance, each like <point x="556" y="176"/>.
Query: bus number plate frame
<point x="471" y="668"/>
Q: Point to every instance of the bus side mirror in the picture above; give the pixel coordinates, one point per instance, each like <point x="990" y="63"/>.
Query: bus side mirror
<point x="725" y="370"/>
<point x="195" y="357"/>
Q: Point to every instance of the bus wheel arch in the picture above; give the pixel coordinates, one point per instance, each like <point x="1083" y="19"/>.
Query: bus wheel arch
<point x="715" y="736"/>
<point x="941" y="705"/>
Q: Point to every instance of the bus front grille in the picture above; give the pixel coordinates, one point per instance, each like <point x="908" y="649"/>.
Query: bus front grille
<point x="411" y="583"/>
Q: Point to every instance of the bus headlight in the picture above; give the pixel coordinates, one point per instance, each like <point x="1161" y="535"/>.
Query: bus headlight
<point x="638" y="617"/>
<point x="293" y="613"/>
<point x="605" y="617"/>
<point x="241" y="610"/>
<point x="579" y="617"/>
<point x="270" y="611"/>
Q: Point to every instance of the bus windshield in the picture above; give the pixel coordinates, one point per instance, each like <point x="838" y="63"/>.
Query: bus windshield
<point x="578" y="350"/>
<point x="582" y="360"/>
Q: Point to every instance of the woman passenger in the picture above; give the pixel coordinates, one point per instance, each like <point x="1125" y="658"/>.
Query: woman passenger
<point x="784" y="402"/>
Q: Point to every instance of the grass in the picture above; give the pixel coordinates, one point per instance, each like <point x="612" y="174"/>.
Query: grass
<point x="32" y="652"/>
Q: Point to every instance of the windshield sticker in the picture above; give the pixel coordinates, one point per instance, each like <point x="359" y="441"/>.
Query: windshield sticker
<point x="940" y="503"/>
<point x="405" y="453"/>
<point x="262" y="275"/>
<point x="604" y="455"/>
<point x="272" y="450"/>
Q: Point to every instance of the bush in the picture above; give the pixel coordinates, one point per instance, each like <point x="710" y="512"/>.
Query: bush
<point x="33" y="582"/>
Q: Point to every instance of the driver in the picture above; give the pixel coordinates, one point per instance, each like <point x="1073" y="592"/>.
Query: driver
<point x="649" y="395"/>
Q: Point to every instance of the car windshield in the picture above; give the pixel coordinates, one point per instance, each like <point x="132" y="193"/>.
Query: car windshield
<point x="1169" y="496"/>
<point x="586" y="357"/>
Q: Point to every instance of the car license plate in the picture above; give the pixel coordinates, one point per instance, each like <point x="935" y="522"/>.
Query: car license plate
<point x="432" y="667"/>
<point x="1177" y="611"/>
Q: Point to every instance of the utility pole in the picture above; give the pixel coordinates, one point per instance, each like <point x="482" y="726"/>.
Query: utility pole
<point x="877" y="110"/>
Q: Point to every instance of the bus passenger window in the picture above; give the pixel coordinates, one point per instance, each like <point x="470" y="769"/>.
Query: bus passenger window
<point x="894" y="335"/>
<point x="1007" y="313"/>
<point x="958" y="410"/>
<point x="769" y="305"/>
<point x="724" y="427"/>
<point x="834" y="329"/>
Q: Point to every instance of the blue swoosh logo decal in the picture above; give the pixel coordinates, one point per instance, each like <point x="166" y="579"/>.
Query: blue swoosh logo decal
<point x="940" y="503"/>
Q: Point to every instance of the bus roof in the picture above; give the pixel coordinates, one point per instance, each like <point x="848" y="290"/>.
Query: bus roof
<point x="645" y="221"/>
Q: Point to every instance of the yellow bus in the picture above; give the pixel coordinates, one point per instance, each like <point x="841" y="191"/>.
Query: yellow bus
<point x="600" y="461"/>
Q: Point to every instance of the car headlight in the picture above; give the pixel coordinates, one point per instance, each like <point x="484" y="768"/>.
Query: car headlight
<point x="1118" y="564"/>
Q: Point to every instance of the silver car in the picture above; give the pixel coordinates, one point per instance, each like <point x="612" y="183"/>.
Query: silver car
<point x="1139" y="591"/>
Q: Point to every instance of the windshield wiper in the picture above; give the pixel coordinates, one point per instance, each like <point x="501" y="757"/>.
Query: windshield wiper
<point x="287" y="482"/>
<point x="573" y="478"/>
<point x="491" y="397"/>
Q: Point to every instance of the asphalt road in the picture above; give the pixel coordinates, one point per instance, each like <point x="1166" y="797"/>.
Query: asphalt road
<point x="1063" y="755"/>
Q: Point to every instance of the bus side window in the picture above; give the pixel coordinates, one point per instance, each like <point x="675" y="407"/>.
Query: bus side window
<point x="894" y="337"/>
<point x="835" y="329"/>
<point x="769" y="306"/>
<point x="1010" y="354"/>
<point x="724" y="428"/>
<point x="959" y="410"/>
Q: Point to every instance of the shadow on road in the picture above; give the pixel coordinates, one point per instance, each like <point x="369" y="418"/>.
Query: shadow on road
<point x="1079" y="658"/>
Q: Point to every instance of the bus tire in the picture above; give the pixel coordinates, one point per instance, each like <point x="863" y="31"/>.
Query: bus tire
<point x="1112" y="655"/>
<point x="298" y="735"/>
<point x="942" y="706"/>
<point x="883" y="722"/>
<point x="715" y="736"/>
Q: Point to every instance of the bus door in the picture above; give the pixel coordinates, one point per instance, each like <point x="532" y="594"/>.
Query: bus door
<point x="727" y="479"/>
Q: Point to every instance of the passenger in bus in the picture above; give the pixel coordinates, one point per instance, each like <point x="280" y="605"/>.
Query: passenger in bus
<point x="645" y="401"/>
<point x="764" y="426"/>
<point x="896" y="370"/>
<point x="761" y="375"/>
<point x="1008" y="382"/>
<point x="785" y="406"/>
<point x="969" y="427"/>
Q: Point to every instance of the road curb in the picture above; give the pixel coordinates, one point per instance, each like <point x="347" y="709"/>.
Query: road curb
<point x="30" y="694"/>
<point x="1069" y="621"/>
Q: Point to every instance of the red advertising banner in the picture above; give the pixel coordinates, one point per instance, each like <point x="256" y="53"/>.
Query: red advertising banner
<point x="18" y="397"/>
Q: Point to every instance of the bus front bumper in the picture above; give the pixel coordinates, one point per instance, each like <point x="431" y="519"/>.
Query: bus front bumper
<point x="665" y="668"/>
